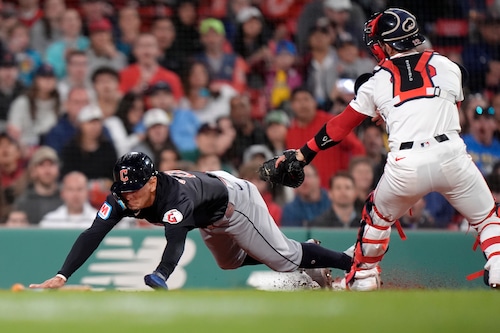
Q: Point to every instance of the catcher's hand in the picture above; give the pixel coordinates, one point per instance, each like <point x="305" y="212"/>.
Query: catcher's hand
<point x="285" y="170"/>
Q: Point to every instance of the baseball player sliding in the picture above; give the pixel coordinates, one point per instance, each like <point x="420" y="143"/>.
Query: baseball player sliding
<point x="232" y="217"/>
<point x="417" y="94"/>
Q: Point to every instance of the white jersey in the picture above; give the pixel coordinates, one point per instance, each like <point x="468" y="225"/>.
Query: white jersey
<point x="413" y="114"/>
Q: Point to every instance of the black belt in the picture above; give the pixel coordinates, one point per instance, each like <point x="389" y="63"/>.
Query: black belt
<point x="409" y="144"/>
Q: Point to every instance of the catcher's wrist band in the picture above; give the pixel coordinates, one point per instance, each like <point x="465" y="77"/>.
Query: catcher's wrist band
<point x="62" y="277"/>
<point x="308" y="153"/>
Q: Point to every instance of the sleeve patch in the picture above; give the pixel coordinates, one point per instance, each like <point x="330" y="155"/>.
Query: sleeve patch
<point x="173" y="216"/>
<point x="105" y="211"/>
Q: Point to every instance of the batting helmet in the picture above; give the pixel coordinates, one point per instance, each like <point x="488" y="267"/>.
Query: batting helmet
<point x="394" y="26"/>
<point x="131" y="172"/>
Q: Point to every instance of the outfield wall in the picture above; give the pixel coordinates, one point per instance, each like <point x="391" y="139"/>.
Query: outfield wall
<point x="437" y="259"/>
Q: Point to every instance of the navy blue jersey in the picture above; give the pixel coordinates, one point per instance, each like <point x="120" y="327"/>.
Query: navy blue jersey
<point x="183" y="201"/>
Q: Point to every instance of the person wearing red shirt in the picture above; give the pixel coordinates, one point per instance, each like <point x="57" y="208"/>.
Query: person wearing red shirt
<point x="137" y="77"/>
<point x="306" y="123"/>
<point x="29" y="12"/>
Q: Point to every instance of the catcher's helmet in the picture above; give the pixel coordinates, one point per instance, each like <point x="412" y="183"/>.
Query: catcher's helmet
<point x="131" y="172"/>
<point x="394" y="26"/>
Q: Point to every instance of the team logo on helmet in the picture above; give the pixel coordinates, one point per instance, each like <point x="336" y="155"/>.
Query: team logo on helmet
<point x="409" y="24"/>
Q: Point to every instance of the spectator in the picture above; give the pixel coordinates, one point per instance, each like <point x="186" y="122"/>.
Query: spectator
<point x="72" y="39"/>
<point x="89" y="151"/>
<point x="66" y="126"/>
<point x="34" y="113"/>
<point x="171" y="57"/>
<point x="249" y="171"/>
<point x="77" y="67"/>
<point x="29" y="12"/>
<point x="493" y="181"/>
<point x="321" y="64"/>
<point x="10" y="86"/>
<point x="257" y="153"/>
<point x="372" y="138"/>
<point x="184" y="123"/>
<point x="8" y="19"/>
<point x="342" y="212"/>
<point x="251" y="43"/>
<point x="106" y="81"/>
<point x="129" y="24"/>
<point x="276" y="124"/>
<point x="282" y="77"/>
<point x="28" y="60"/>
<point x="102" y="51"/>
<point x="157" y="125"/>
<point x="147" y="71"/>
<point x="347" y="18"/>
<point x="210" y="162"/>
<point x="351" y="64"/>
<point x="310" y="201"/>
<point x="48" y="29"/>
<point x="16" y="219"/>
<point x="43" y="194"/>
<point x="223" y="66"/>
<point x="361" y="170"/>
<point x="186" y="23"/>
<point x="126" y="127"/>
<point x="481" y="143"/>
<point x="13" y="175"/>
<point x="207" y="100"/>
<point x="76" y="211"/>
<point x="441" y="211"/>
<point x="95" y="11"/>
<point x="169" y="159"/>
<point x="308" y="120"/>
<point x="248" y="131"/>
<point x="417" y="217"/>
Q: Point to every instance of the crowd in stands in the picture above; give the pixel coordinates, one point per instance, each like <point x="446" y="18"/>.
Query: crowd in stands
<point x="216" y="84"/>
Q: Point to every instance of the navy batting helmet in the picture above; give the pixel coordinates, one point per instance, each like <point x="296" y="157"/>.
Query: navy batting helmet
<point x="394" y="26"/>
<point x="131" y="172"/>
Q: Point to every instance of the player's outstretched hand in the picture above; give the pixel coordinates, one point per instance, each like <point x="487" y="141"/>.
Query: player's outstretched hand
<point x="156" y="280"/>
<point x="52" y="283"/>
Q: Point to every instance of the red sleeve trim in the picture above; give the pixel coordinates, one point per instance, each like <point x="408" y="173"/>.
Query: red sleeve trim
<point x="339" y="126"/>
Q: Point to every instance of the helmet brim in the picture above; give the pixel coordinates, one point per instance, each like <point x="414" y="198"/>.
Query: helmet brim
<point x="119" y="187"/>
<point x="407" y="43"/>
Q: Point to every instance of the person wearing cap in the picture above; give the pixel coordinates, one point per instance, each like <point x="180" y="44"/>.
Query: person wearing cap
<point x="72" y="38"/>
<point x="34" y="113"/>
<point x="10" y="85"/>
<point x="223" y="66"/>
<point x="28" y="60"/>
<point x="42" y="196"/>
<point x="95" y="11"/>
<point x="184" y="125"/>
<point x="186" y="27"/>
<point x="89" y="151"/>
<point x="351" y="63"/>
<point x="13" y="173"/>
<point x="276" y="124"/>
<point x="102" y="51"/>
<point x="48" y="29"/>
<point x="157" y="124"/>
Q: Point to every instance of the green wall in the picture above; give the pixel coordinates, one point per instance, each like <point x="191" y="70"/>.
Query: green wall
<point x="435" y="259"/>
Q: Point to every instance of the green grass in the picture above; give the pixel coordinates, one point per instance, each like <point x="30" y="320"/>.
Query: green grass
<point x="239" y="311"/>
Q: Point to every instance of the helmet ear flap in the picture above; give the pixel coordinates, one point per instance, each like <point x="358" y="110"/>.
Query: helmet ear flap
<point x="377" y="51"/>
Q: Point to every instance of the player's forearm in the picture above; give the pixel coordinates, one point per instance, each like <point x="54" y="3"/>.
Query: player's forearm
<point x="176" y="238"/>
<point x="332" y="133"/>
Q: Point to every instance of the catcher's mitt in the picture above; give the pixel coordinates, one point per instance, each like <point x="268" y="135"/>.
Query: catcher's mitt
<point x="289" y="172"/>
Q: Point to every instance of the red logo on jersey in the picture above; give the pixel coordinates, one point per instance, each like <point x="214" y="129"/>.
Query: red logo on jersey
<point x="400" y="158"/>
<point x="123" y="175"/>
<point x="173" y="216"/>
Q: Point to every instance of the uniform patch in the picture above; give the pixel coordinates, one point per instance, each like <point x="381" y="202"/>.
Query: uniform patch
<point x="105" y="211"/>
<point x="173" y="216"/>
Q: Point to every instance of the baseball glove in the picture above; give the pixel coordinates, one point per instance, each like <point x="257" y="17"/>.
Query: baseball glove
<point x="285" y="170"/>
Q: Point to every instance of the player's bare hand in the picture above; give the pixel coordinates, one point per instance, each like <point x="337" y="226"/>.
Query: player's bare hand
<point x="52" y="283"/>
<point x="378" y="120"/>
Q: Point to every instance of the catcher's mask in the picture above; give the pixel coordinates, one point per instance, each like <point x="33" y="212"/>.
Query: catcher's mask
<point x="394" y="26"/>
<point x="131" y="172"/>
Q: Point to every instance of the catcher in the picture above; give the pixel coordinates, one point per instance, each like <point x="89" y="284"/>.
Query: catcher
<point x="232" y="217"/>
<point x="418" y="95"/>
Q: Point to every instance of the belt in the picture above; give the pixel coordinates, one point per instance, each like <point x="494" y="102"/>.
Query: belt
<point x="409" y="144"/>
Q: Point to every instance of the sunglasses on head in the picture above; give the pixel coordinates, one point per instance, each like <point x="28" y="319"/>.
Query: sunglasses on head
<point x="480" y="111"/>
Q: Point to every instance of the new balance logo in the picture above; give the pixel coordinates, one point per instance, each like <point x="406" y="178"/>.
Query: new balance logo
<point x="325" y="140"/>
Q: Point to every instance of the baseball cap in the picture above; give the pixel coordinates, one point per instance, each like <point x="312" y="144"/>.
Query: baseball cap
<point x="338" y="5"/>
<point x="158" y="86"/>
<point x="345" y="39"/>
<point x="8" y="59"/>
<point x="209" y="127"/>
<point x="248" y="13"/>
<point x="102" y="25"/>
<point x="42" y="154"/>
<point x="155" y="116"/>
<point x="89" y="112"/>
<point x="286" y="46"/>
<point x="277" y="117"/>
<point x="45" y="70"/>
<point x="214" y="24"/>
<point x="253" y="150"/>
<point x="322" y="25"/>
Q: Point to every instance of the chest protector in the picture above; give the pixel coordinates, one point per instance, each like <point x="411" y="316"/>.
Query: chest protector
<point x="412" y="78"/>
